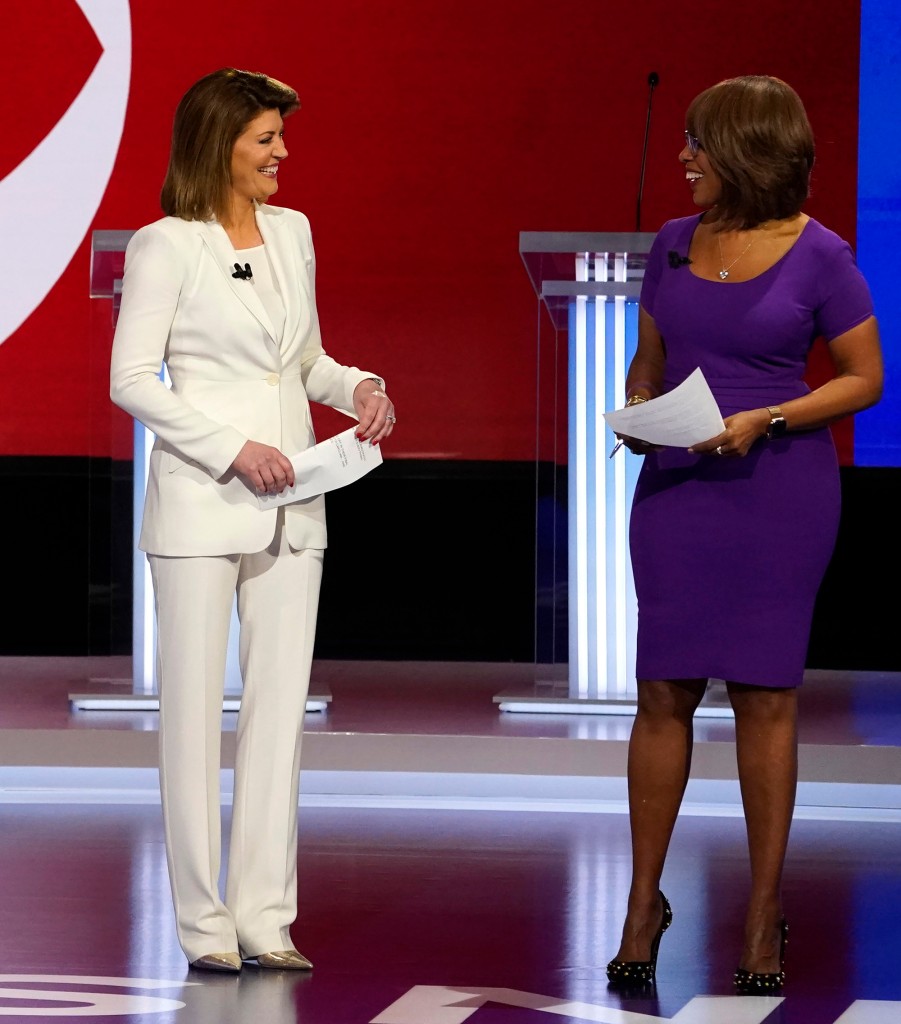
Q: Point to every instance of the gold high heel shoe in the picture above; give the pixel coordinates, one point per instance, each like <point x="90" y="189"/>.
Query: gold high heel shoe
<point x="230" y="962"/>
<point x="284" y="960"/>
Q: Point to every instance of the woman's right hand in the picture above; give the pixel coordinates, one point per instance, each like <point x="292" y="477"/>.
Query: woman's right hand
<point x="638" y="447"/>
<point x="263" y="468"/>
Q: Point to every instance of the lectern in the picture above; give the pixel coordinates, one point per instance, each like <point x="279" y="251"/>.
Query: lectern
<point x="587" y="286"/>
<point x="107" y="266"/>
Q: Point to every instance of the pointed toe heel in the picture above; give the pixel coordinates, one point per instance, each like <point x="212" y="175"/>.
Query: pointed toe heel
<point x="229" y="962"/>
<point x="639" y="973"/>
<point x="754" y="983"/>
<point x="284" y="960"/>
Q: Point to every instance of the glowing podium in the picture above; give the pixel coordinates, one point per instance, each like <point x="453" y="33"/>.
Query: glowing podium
<point x="587" y="286"/>
<point x="107" y="267"/>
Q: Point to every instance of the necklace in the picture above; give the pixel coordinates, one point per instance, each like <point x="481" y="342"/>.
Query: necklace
<point x="724" y="271"/>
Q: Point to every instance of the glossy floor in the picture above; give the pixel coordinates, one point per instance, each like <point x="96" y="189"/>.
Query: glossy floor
<point x="506" y="917"/>
<point x="443" y="914"/>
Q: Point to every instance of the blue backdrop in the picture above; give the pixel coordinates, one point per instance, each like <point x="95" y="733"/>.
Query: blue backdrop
<point x="877" y="432"/>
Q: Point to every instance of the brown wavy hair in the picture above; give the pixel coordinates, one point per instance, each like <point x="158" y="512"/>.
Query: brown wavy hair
<point x="208" y="120"/>
<point x="755" y="132"/>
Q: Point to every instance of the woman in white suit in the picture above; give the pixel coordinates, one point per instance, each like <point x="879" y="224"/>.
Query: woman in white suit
<point x="221" y="292"/>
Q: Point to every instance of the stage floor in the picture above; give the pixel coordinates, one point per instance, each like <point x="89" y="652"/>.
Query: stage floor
<point x="454" y="880"/>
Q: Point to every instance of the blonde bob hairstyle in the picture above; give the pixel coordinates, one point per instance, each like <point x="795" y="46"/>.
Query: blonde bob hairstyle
<point x="755" y="132"/>
<point x="208" y="120"/>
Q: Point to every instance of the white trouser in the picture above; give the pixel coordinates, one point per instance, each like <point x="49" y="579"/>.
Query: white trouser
<point x="277" y="593"/>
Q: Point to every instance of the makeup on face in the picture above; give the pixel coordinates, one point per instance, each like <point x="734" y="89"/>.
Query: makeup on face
<point x="256" y="155"/>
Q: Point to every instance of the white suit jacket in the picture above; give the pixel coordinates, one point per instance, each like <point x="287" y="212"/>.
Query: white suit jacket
<point x="232" y="381"/>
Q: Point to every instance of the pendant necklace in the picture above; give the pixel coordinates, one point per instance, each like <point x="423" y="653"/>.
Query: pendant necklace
<point x="724" y="271"/>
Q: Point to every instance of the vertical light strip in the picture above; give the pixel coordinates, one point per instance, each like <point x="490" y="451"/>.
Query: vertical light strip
<point x="602" y="333"/>
<point x="589" y="612"/>
<point x="143" y="615"/>
<point x="619" y="684"/>
<point x="578" y="622"/>
<point x="600" y="564"/>
<point x="144" y="612"/>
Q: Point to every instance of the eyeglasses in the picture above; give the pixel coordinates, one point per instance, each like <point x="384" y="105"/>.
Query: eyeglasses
<point x="693" y="143"/>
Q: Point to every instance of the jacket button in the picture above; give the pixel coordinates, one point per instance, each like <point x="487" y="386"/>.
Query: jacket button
<point x="272" y="379"/>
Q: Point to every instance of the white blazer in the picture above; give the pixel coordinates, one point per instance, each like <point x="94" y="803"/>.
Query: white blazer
<point x="232" y="381"/>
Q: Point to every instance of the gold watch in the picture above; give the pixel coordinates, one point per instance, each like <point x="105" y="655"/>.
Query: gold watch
<point x="777" y="426"/>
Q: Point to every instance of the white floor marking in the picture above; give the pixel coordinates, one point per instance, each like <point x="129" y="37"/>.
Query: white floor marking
<point x="436" y="1004"/>
<point x="89" y="1004"/>
<point x="871" y="1011"/>
<point x="439" y="1004"/>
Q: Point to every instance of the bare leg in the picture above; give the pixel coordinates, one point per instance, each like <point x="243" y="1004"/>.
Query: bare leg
<point x="659" y="761"/>
<point x="766" y="741"/>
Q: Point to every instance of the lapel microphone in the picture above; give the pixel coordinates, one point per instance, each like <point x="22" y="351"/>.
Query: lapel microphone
<point x="675" y="260"/>
<point x="246" y="274"/>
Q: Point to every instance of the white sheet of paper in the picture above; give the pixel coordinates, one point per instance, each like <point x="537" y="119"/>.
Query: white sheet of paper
<point x="330" y="464"/>
<point x="682" y="417"/>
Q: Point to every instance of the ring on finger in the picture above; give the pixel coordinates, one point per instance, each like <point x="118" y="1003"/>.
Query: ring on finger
<point x="719" y="450"/>
<point x="391" y="419"/>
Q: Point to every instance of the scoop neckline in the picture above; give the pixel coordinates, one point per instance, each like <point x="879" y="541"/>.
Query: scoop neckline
<point x="756" y="277"/>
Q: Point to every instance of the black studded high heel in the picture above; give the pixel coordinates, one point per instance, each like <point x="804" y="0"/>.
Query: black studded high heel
<point x="635" y="973"/>
<point x="752" y="983"/>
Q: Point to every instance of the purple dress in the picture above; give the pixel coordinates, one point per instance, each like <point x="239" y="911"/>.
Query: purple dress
<point x="728" y="553"/>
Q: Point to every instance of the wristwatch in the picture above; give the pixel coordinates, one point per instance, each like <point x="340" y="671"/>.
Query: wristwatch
<point x="777" y="426"/>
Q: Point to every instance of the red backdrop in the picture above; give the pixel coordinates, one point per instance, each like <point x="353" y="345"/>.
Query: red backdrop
<point x="430" y="135"/>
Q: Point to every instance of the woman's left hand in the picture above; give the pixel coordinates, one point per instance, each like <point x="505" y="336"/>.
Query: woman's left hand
<point x="742" y="430"/>
<point x="374" y="410"/>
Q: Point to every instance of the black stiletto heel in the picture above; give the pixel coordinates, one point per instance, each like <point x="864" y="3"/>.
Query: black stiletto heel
<point x="752" y="983"/>
<point x="635" y="973"/>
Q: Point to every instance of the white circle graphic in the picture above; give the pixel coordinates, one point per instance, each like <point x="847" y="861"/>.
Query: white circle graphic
<point x="48" y="202"/>
<point x="87" y="1003"/>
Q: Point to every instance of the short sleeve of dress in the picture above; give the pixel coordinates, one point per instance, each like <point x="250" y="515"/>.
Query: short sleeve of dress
<point x="669" y="251"/>
<point x="653" y="271"/>
<point x="845" y="297"/>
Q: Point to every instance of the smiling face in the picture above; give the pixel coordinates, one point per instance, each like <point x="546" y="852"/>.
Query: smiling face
<point x="704" y="182"/>
<point x="256" y="155"/>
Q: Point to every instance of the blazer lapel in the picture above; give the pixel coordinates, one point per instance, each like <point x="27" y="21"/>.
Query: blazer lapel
<point x="283" y="256"/>
<point x="223" y="252"/>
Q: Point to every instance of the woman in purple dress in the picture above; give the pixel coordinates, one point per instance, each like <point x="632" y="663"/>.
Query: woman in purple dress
<point x="730" y="539"/>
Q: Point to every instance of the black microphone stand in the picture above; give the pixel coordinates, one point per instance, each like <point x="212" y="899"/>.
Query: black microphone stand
<point x="653" y="81"/>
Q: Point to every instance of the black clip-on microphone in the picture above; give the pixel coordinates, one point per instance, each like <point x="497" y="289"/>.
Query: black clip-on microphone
<point x="676" y="261"/>
<point x="246" y="274"/>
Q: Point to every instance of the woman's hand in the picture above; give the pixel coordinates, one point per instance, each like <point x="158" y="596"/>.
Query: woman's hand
<point x="263" y="468"/>
<point x="374" y="410"/>
<point x="635" y="445"/>
<point x="742" y="430"/>
<point x="638" y="447"/>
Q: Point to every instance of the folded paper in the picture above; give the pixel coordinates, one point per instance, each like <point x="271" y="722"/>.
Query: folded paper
<point x="682" y="417"/>
<point x="334" y="463"/>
